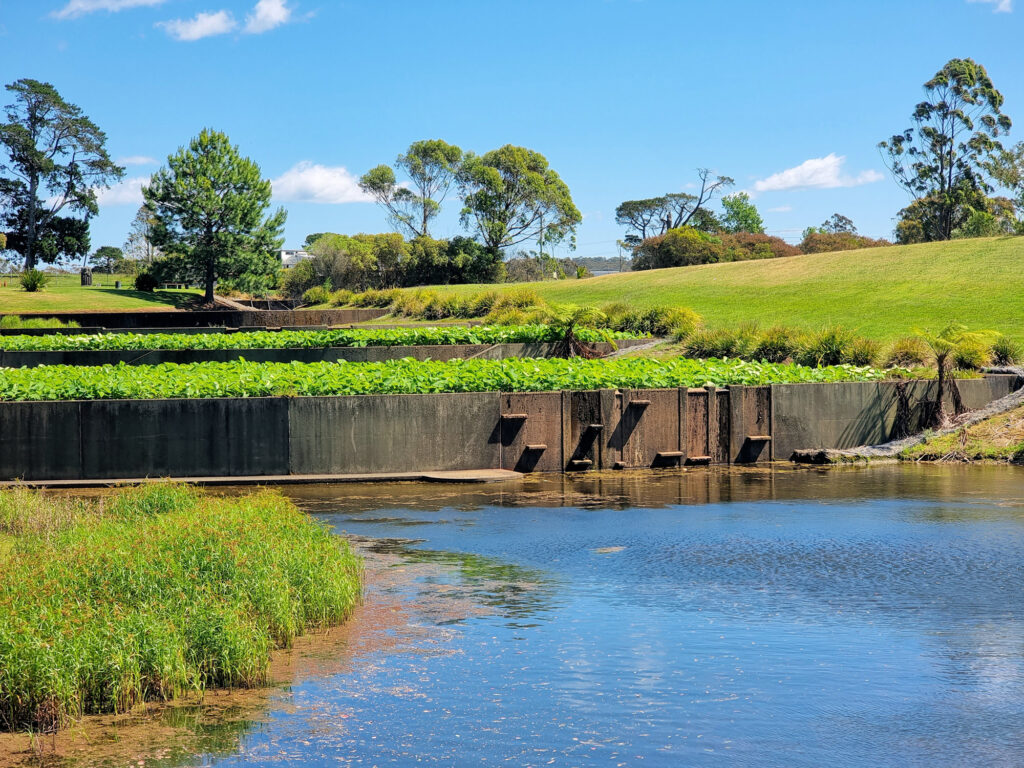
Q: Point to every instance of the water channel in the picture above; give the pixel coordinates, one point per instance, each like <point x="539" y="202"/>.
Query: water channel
<point x="861" y="617"/>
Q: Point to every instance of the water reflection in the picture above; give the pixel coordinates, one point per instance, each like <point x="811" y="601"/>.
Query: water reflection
<point x="754" y="618"/>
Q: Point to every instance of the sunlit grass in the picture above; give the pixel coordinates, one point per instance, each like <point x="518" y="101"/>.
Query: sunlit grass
<point x="153" y="593"/>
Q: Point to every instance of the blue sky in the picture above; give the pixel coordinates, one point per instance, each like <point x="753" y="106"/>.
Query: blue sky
<point x="624" y="97"/>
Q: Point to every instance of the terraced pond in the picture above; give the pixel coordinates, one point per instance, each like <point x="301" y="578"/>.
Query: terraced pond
<point x="752" y="618"/>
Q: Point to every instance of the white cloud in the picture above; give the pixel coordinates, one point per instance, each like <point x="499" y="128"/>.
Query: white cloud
<point x="76" y="8"/>
<point x="779" y="209"/>
<point x="1001" y="6"/>
<point x="203" y="25"/>
<point x="308" y="182"/>
<point x="136" y="160"/>
<point x="816" y="173"/>
<point x="127" y="192"/>
<point x="266" y="15"/>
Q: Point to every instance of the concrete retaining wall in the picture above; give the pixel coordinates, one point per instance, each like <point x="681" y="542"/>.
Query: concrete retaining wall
<point x="542" y="431"/>
<point x="19" y="359"/>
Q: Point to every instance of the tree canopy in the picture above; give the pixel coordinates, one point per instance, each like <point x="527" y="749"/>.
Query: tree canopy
<point x="56" y="160"/>
<point x="741" y="215"/>
<point x="209" y="205"/>
<point x="511" y="195"/>
<point x="657" y="215"/>
<point x="431" y="166"/>
<point x="941" y="160"/>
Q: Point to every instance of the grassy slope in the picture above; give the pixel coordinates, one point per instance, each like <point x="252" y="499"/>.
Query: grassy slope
<point x="65" y="294"/>
<point x="1000" y="438"/>
<point x="882" y="292"/>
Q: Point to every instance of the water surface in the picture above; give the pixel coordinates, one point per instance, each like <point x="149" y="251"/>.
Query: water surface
<point x="869" y="617"/>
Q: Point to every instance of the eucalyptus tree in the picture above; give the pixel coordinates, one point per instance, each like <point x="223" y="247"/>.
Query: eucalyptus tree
<point x="209" y="207"/>
<point x="431" y="167"/>
<point x="511" y="195"/>
<point x="56" y="161"/>
<point x="656" y="215"/>
<point x="942" y="159"/>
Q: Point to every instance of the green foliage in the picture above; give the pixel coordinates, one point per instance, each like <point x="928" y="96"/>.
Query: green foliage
<point x="14" y="321"/>
<point x="107" y="258"/>
<point x="57" y="155"/>
<point x="944" y="158"/>
<point x="1006" y="351"/>
<point x="706" y="343"/>
<point x="511" y="195"/>
<point x="145" y="281"/>
<point x="680" y="247"/>
<point x="153" y="593"/>
<point x="431" y="166"/>
<point x="318" y="294"/>
<point x="971" y="355"/>
<point x="33" y="280"/>
<point x="340" y="297"/>
<point x="245" y="379"/>
<point x="657" y="215"/>
<point x="816" y="241"/>
<point x="907" y="352"/>
<point x="980" y="224"/>
<point x="741" y="214"/>
<point x="829" y="346"/>
<point x="776" y="345"/>
<point x="208" y="205"/>
<point x="319" y="339"/>
<point x="657" y="321"/>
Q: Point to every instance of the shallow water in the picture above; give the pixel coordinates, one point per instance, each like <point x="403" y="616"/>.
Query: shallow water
<point x="868" y="617"/>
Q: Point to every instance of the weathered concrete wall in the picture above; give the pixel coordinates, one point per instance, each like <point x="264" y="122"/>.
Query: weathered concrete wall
<point x="545" y="431"/>
<point x="393" y="433"/>
<point x="850" y="414"/>
<point x="30" y="359"/>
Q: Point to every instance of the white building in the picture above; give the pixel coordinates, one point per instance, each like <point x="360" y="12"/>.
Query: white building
<point x="289" y="258"/>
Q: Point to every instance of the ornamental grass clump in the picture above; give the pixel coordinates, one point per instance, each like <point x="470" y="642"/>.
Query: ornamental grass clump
<point x="155" y="593"/>
<point x="1005" y="351"/>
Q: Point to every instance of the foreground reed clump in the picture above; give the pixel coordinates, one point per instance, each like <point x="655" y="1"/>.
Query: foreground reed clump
<point x="153" y="593"/>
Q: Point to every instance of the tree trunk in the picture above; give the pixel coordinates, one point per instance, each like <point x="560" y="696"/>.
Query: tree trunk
<point x="30" y="239"/>
<point x="210" y="276"/>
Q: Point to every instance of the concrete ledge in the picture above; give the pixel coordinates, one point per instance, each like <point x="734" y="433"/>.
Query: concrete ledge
<point x="461" y="476"/>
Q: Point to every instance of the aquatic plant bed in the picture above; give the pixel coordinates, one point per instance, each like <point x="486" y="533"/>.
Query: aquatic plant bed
<point x="154" y="593"/>
<point x="246" y="379"/>
<point x="342" y="337"/>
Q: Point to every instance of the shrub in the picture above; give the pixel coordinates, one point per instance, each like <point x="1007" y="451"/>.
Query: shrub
<point x="299" y="279"/>
<point x="704" y="343"/>
<point x="907" y="352"/>
<point x="830" y="346"/>
<point x="1005" y="351"/>
<point x="863" y="351"/>
<point x="376" y="298"/>
<point x="33" y="280"/>
<point x="776" y="345"/>
<point x="518" y="298"/>
<point x="146" y="282"/>
<point x="680" y="247"/>
<point x="971" y="355"/>
<point x="659" y="321"/>
<point x="341" y="297"/>
<point x="479" y="304"/>
<point x="318" y="294"/>
<point x="826" y="242"/>
<point x="743" y="246"/>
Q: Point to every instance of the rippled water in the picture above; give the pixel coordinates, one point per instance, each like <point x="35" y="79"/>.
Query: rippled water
<point x="800" y="618"/>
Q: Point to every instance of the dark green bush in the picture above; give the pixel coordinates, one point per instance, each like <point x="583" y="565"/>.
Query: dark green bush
<point x="776" y="345"/>
<point x="830" y="346"/>
<point x="1005" y="351"/>
<point x="33" y="280"/>
<point x="145" y="281"/>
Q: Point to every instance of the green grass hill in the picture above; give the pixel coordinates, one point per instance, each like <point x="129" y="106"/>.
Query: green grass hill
<point x="882" y="293"/>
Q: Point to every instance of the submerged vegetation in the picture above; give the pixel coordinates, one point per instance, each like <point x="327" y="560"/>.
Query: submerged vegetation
<point x="154" y="593"/>
<point x="241" y="378"/>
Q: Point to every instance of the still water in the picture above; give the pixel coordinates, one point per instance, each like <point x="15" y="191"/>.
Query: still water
<point x="869" y="617"/>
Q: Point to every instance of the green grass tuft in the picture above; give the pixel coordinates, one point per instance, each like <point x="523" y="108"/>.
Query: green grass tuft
<point x="153" y="593"/>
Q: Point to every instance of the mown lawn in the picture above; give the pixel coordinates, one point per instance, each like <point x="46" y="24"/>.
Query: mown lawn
<point x="65" y="294"/>
<point x="883" y="293"/>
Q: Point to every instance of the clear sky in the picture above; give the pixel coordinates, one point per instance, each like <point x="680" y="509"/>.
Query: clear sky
<point x="624" y="97"/>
